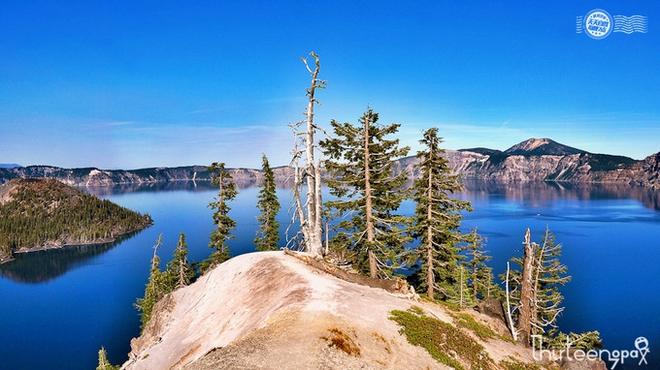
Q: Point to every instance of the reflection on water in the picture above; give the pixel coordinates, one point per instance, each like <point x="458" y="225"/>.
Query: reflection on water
<point x="526" y="192"/>
<point x="542" y="192"/>
<point x="42" y="266"/>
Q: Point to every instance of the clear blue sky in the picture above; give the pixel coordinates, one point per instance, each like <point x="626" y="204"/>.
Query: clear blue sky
<point x="133" y="84"/>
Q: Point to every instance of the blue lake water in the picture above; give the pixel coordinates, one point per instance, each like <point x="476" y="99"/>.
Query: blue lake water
<point x="58" y="307"/>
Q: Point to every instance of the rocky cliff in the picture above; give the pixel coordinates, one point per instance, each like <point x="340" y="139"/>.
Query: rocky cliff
<point x="271" y="310"/>
<point x="532" y="160"/>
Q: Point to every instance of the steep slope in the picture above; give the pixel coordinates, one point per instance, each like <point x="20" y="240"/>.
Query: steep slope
<point x="270" y="310"/>
<point x="39" y="214"/>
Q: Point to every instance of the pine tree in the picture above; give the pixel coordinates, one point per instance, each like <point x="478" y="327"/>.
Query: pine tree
<point x="268" y="235"/>
<point x="224" y="224"/>
<point x="155" y="289"/>
<point x="463" y="297"/>
<point x="437" y="218"/>
<point x="359" y="162"/>
<point x="549" y="276"/>
<point x="179" y="271"/>
<point x="104" y="364"/>
<point x="480" y="275"/>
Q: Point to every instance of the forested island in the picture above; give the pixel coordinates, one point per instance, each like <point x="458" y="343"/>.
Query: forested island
<point x="38" y="214"/>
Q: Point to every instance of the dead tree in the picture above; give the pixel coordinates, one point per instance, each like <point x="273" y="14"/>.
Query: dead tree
<point x="309" y="212"/>
<point x="509" y="309"/>
<point x="527" y="301"/>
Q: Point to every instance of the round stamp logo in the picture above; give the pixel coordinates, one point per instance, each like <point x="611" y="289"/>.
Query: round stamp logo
<point x="598" y="24"/>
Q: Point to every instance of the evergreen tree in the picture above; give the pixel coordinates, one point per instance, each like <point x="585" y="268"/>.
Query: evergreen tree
<point x="480" y="275"/>
<point x="155" y="289"/>
<point x="360" y="159"/>
<point x="463" y="297"/>
<point x="549" y="276"/>
<point x="179" y="271"/>
<point x="268" y="235"/>
<point x="104" y="364"/>
<point x="437" y="218"/>
<point x="224" y="224"/>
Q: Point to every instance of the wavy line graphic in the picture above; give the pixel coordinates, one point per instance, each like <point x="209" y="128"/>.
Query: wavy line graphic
<point x="578" y="24"/>
<point x="630" y="24"/>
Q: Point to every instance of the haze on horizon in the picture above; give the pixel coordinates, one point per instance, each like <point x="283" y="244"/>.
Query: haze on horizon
<point x="126" y="85"/>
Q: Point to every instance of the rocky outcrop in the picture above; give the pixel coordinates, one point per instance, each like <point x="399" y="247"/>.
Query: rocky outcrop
<point x="270" y="310"/>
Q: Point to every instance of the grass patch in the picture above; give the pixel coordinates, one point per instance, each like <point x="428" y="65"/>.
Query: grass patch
<point x="340" y="340"/>
<point x="444" y="342"/>
<point x="482" y="331"/>
<point x="513" y="364"/>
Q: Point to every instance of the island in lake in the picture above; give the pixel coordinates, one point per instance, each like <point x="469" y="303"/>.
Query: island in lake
<point x="37" y="214"/>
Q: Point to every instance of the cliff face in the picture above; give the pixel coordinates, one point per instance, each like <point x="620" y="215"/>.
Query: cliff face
<point x="532" y="160"/>
<point x="97" y="177"/>
<point x="270" y="310"/>
<point x="574" y="168"/>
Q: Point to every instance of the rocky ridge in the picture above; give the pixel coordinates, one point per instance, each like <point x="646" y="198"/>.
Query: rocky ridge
<point x="273" y="310"/>
<point x="531" y="160"/>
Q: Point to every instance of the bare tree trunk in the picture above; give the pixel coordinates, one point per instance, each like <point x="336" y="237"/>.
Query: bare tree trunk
<point x="512" y="328"/>
<point x="526" y="292"/>
<point x="373" y="268"/>
<point x="429" y="238"/>
<point x="311" y="222"/>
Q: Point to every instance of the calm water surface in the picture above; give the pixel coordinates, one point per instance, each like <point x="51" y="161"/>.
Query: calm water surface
<point x="58" y="307"/>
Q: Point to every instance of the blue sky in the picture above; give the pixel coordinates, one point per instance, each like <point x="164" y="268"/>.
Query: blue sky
<point x="137" y="84"/>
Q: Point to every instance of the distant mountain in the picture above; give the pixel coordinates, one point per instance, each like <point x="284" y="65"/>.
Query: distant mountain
<point x="531" y="160"/>
<point x="9" y="165"/>
<point x="484" y="151"/>
<point x="38" y="214"/>
<point x="542" y="146"/>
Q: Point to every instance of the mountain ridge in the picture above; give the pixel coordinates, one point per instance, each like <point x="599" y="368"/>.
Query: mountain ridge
<point x="530" y="160"/>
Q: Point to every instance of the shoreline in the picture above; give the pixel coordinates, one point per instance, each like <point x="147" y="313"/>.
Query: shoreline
<point x="28" y="250"/>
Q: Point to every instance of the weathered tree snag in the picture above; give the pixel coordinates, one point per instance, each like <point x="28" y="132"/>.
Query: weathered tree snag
<point x="310" y="221"/>
<point x="509" y="316"/>
<point x="527" y="291"/>
<point x="373" y="268"/>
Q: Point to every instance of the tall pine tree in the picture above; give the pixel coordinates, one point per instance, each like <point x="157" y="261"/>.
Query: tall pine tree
<point x="437" y="218"/>
<point x="179" y="271"/>
<point x="224" y="224"/>
<point x="155" y="289"/>
<point x="359" y="160"/>
<point x="549" y="276"/>
<point x="268" y="236"/>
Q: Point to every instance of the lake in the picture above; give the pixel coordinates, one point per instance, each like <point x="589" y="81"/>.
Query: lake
<point x="58" y="307"/>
